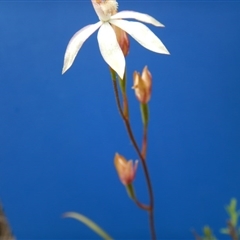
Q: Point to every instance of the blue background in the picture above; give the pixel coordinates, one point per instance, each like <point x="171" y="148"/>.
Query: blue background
<point x="59" y="133"/>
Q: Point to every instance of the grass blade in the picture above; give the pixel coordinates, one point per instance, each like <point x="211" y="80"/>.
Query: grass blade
<point x="88" y="223"/>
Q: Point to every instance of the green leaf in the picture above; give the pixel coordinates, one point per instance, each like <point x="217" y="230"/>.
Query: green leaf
<point x="207" y="231"/>
<point x="208" y="235"/>
<point x="88" y="223"/>
<point x="224" y="231"/>
<point x="231" y="210"/>
<point x="234" y="219"/>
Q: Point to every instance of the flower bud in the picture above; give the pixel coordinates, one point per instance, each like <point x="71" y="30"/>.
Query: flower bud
<point x="142" y="85"/>
<point x="126" y="169"/>
<point x="122" y="39"/>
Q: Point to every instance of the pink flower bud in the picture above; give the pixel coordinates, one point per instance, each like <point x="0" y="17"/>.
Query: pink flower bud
<point x="122" y="39"/>
<point x="126" y="169"/>
<point x="142" y="85"/>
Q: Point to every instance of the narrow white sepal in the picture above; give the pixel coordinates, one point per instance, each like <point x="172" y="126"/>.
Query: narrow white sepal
<point x="76" y="43"/>
<point x="138" y="16"/>
<point x="142" y="34"/>
<point x="110" y="50"/>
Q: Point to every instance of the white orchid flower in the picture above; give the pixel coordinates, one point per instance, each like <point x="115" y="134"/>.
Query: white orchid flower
<point x="108" y="45"/>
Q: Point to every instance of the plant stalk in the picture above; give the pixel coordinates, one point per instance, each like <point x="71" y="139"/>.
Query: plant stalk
<point x="142" y="158"/>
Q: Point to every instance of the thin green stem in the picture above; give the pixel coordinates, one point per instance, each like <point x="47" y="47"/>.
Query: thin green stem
<point x="142" y="158"/>
<point x="122" y="84"/>
<point x="145" y="118"/>
<point x="144" y="142"/>
<point x="141" y="205"/>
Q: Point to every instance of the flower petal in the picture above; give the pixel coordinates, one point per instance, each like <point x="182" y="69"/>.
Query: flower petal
<point x="110" y="50"/>
<point x="138" y="16"/>
<point x="76" y="43"/>
<point x="142" y="34"/>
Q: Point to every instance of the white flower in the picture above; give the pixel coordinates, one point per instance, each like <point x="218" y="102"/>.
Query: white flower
<point x="108" y="45"/>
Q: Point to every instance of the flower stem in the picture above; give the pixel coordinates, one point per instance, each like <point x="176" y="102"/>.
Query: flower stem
<point x="145" y="117"/>
<point x="144" y="142"/>
<point x="142" y="158"/>
<point x="141" y="205"/>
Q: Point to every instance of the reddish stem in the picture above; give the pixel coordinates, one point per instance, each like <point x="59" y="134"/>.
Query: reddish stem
<point x="142" y="158"/>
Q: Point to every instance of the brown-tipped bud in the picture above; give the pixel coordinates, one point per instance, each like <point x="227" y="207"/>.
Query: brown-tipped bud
<point x="143" y="85"/>
<point x="126" y="169"/>
<point x="122" y="39"/>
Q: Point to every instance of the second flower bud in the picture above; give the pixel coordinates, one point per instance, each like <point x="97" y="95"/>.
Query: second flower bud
<point x="142" y="84"/>
<point x="126" y="169"/>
